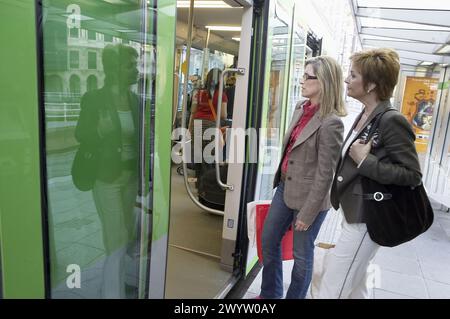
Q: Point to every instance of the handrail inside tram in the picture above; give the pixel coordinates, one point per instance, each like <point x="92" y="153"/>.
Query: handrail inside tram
<point x="184" y="115"/>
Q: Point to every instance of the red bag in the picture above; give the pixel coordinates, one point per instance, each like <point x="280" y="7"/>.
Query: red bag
<point x="287" y="244"/>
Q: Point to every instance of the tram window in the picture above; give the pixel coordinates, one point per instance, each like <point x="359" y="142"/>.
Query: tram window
<point x="92" y="110"/>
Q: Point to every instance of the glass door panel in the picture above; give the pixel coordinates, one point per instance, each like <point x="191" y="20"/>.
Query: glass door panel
<point x="271" y="126"/>
<point x="99" y="71"/>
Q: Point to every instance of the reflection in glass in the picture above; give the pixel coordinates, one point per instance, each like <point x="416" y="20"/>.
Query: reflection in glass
<point x="75" y="84"/>
<point x="299" y="52"/>
<point x="107" y="131"/>
<point x="91" y="82"/>
<point x="270" y="147"/>
<point x="1" y="275"/>
<point x="97" y="91"/>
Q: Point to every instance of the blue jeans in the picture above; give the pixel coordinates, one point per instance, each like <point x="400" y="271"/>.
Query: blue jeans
<point x="277" y="222"/>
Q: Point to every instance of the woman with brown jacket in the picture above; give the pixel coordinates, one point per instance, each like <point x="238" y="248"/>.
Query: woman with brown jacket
<point x="310" y="152"/>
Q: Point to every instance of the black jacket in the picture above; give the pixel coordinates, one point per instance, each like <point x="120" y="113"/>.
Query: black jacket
<point x="393" y="160"/>
<point x="107" y="148"/>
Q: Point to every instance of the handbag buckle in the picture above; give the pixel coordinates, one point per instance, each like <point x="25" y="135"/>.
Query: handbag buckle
<point x="378" y="196"/>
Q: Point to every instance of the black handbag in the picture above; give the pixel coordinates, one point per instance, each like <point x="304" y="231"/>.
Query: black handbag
<point x="394" y="214"/>
<point x="84" y="169"/>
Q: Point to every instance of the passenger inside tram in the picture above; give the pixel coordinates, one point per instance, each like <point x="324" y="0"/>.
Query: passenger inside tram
<point x="107" y="163"/>
<point x="229" y="90"/>
<point x="203" y="120"/>
<point x="195" y="81"/>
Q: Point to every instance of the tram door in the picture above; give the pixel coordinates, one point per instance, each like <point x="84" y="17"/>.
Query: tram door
<point x="104" y="76"/>
<point x="213" y="46"/>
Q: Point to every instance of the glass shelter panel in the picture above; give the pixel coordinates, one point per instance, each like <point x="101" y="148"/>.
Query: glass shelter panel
<point x="271" y="135"/>
<point x="298" y="62"/>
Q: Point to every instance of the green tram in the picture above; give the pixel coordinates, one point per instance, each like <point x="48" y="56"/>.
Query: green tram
<point x="92" y="201"/>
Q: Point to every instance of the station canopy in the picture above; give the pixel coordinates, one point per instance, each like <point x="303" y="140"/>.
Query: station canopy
<point x="418" y="30"/>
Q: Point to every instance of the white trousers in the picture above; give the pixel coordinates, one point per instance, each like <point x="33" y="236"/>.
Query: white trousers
<point x="345" y="266"/>
<point x="115" y="202"/>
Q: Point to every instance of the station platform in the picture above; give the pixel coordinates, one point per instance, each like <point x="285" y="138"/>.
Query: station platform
<point x="415" y="270"/>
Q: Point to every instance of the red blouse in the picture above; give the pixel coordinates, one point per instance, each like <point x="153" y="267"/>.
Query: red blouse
<point x="203" y="109"/>
<point x="308" y="112"/>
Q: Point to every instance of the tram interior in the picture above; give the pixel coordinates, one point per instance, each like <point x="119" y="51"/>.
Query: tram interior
<point x="195" y="235"/>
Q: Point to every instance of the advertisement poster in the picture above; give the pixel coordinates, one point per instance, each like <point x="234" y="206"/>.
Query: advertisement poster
<point x="418" y="104"/>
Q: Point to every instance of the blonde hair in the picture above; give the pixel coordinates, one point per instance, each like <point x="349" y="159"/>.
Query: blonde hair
<point x="380" y="67"/>
<point x="329" y="74"/>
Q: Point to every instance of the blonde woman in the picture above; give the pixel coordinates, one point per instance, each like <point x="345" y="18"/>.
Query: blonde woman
<point x="303" y="180"/>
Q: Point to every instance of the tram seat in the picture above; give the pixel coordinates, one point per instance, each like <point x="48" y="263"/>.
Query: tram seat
<point x="210" y="193"/>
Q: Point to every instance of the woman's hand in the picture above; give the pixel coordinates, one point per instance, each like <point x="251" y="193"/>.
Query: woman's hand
<point x="300" y="226"/>
<point x="359" y="150"/>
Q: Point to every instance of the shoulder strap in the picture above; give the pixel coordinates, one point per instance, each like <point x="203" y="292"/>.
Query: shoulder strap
<point x="212" y="109"/>
<point x="376" y="122"/>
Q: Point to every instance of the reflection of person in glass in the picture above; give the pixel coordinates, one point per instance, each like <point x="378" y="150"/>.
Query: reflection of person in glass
<point x="109" y="124"/>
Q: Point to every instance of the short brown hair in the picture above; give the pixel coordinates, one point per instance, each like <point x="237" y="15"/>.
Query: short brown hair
<point x="380" y="67"/>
